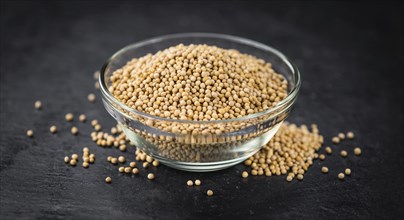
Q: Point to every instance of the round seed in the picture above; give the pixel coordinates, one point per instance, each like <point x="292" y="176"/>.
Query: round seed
<point x="135" y="171"/>
<point x="91" y="97"/>
<point x="150" y="176"/>
<point x="190" y="183"/>
<point x="122" y="148"/>
<point x="121" y="169"/>
<point x="324" y="169"/>
<point x="85" y="164"/>
<point x="145" y="165"/>
<point x="350" y="135"/>
<point x="335" y="140"/>
<point x="132" y="164"/>
<point x="75" y="156"/>
<point x="82" y="118"/>
<point x="96" y="74"/>
<point x="38" y="104"/>
<point x="74" y="130"/>
<point x="53" y="129"/>
<point x="156" y="163"/>
<point x="97" y="127"/>
<point x="341" y="176"/>
<point x="69" y="117"/>
<point x="108" y="180"/>
<point x="321" y="156"/>
<point x="109" y="158"/>
<point x="357" y="151"/>
<point x="128" y="169"/>
<point x="341" y="136"/>
<point x="73" y="162"/>
<point x="344" y="153"/>
<point x="299" y="176"/>
<point x="94" y="122"/>
<point x="197" y="182"/>
<point x="348" y="171"/>
<point x="114" y="160"/>
<point x="209" y="192"/>
<point x="91" y="160"/>
<point x="244" y="174"/>
<point x="66" y="159"/>
<point x="121" y="159"/>
<point x="85" y="149"/>
<point x="30" y="133"/>
<point x="289" y="178"/>
<point x="328" y="150"/>
<point x="96" y="85"/>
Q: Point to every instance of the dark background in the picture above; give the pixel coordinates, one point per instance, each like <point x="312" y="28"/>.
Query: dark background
<point x="351" y="59"/>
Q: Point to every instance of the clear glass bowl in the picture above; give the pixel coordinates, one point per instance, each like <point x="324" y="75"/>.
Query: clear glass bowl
<point x="200" y="145"/>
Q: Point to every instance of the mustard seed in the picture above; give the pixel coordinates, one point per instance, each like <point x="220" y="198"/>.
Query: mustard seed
<point x="299" y="176"/>
<point x="85" y="149"/>
<point x="321" y="156"/>
<point x="97" y="127"/>
<point x="38" y="104"/>
<point x="135" y="171"/>
<point x="128" y="169"/>
<point x="96" y="85"/>
<point x="85" y="164"/>
<point x="209" y="192"/>
<point x="190" y="183"/>
<point x="145" y="165"/>
<point x="91" y="160"/>
<point x="66" y="159"/>
<point x="324" y="169"/>
<point x="350" y="135"/>
<point x="254" y="172"/>
<point x="328" y="150"/>
<point x="69" y="117"/>
<point x="341" y="176"/>
<point x="74" y="130"/>
<point x="289" y="178"/>
<point x="335" y="140"/>
<point x="197" y="182"/>
<point x="94" y="122"/>
<point x="244" y="174"/>
<point x="73" y="162"/>
<point x="121" y="169"/>
<point x="75" y="156"/>
<point x="108" y="180"/>
<point x="132" y="164"/>
<point x="96" y="74"/>
<point x="114" y="160"/>
<point x="341" y="136"/>
<point x="344" y="153"/>
<point x="357" y="151"/>
<point x="91" y="97"/>
<point x="121" y="159"/>
<point x="82" y="118"/>
<point x="30" y="133"/>
<point x="150" y="176"/>
<point x="53" y="129"/>
<point x="122" y="148"/>
<point x="156" y="163"/>
<point x="348" y="171"/>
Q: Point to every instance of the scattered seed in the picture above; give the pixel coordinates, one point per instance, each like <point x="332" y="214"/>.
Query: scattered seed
<point x="328" y="150"/>
<point x="344" y="153"/>
<point x="114" y="130"/>
<point x="321" y="156"/>
<point x="350" y="135"/>
<point x="299" y="176"/>
<point x="289" y="178"/>
<point x="335" y="140"/>
<point x="324" y="169"/>
<point x="91" y="97"/>
<point x="209" y="192"/>
<point x="91" y="160"/>
<point x="197" y="182"/>
<point x="341" y="176"/>
<point x="30" y="133"/>
<point x="69" y="117"/>
<point x="150" y="176"/>
<point x="128" y="169"/>
<point x="114" y="160"/>
<point x="96" y="85"/>
<point x="97" y="127"/>
<point x="132" y="164"/>
<point x="38" y="104"/>
<point x="66" y="159"/>
<point x="94" y="122"/>
<point x="190" y="183"/>
<point x="145" y="165"/>
<point x="244" y="174"/>
<point x="149" y="159"/>
<point x="73" y="162"/>
<point x="121" y="159"/>
<point x="53" y="129"/>
<point x="156" y="163"/>
<point x="85" y="164"/>
<point x="341" y="136"/>
<point x="82" y="118"/>
<point x="348" y="171"/>
<point x="122" y="148"/>
<point x="108" y="180"/>
<point x="86" y="159"/>
<point x="135" y="171"/>
<point x="74" y="130"/>
<point x="357" y="151"/>
<point x="75" y="156"/>
<point x="121" y="169"/>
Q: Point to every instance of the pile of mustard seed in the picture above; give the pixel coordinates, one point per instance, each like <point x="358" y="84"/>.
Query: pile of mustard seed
<point x="198" y="82"/>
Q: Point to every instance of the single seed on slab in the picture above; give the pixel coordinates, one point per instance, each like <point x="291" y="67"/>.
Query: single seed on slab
<point x="82" y="118"/>
<point x="132" y="164"/>
<point x="128" y="169"/>
<point x="109" y="158"/>
<point x="114" y="160"/>
<point x="108" y="180"/>
<point x="350" y="135"/>
<point x="197" y="182"/>
<point x="74" y="130"/>
<point x="85" y="149"/>
<point x="122" y="148"/>
<point x="341" y="176"/>
<point x="190" y="183"/>
<point x="91" y="160"/>
<point x="348" y="171"/>
<point x="85" y="164"/>
<point x="209" y="192"/>
<point x="335" y="140"/>
<point x="91" y="97"/>
<point x="244" y="174"/>
<point x="97" y="127"/>
<point x="30" y="133"/>
<point x="69" y="117"/>
<point x="75" y="156"/>
<point x="328" y="150"/>
<point x="156" y="163"/>
<point x="92" y="156"/>
<point x="344" y="153"/>
<point x="324" y="169"/>
<point x="66" y="159"/>
<point x="135" y="171"/>
<point x="299" y="176"/>
<point x="289" y="178"/>
<point x="96" y="85"/>
<point x="94" y="122"/>
<point x="149" y="159"/>
<point x="121" y="169"/>
<point x="121" y="159"/>
<point x="341" y="136"/>
<point x="73" y="162"/>
<point x="357" y="151"/>
<point x="150" y="176"/>
<point x="145" y="165"/>
<point x="38" y="104"/>
<point x="321" y="156"/>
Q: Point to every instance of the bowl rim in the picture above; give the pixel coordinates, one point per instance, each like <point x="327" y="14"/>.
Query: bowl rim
<point x="284" y="102"/>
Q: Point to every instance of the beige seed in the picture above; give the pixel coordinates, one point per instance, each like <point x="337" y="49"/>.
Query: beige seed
<point x="38" y="104"/>
<point x="344" y="153"/>
<point x="75" y="156"/>
<point x="74" y="130"/>
<point x="150" y="176"/>
<point x="299" y="176"/>
<point x="66" y="159"/>
<point x="348" y="171"/>
<point x="97" y="127"/>
<point x="121" y="159"/>
<point x="254" y="172"/>
<point x="96" y="74"/>
<point x="94" y="122"/>
<point x="197" y="182"/>
<point x="156" y="163"/>
<point x="91" y="97"/>
<point x="82" y="118"/>
<point x="85" y="164"/>
<point x="357" y="151"/>
<point x="121" y="169"/>
<point x="108" y="180"/>
<point x="190" y="183"/>
<point x="149" y="159"/>
<point x="335" y="140"/>
<point x="244" y="174"/>
<point x="132" y="164"/>
<point x="85" y="149"/>
<point x="53" y="129"/>
<point x="30" y="133"/>
<point x="128" y="169"/>
<point x="86" y="159"/>
<point x="135" y="171"/>
<point x="324" y="169"/>
<point x="341" y="176"/>
<point x="114" y="160"/>
<point x="69" y="117"/>
<point x="321" y="156"/>
<point x="96" y="85"/>
<point x="341" y="136"/>
<point x="209" y="192"/>
<point x="109" y="158"/>
<point x="350" y="135"/>
<point x="289" y="178"/>
<point x="122" y="148"/>
<point x="73" y="162"/>
<point x="91" y="160"/>
<point x="328" y="150"/>
<point x="145" y="165"/>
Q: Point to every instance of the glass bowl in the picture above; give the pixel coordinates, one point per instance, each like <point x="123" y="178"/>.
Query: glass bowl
<point x="200" y="145"/>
